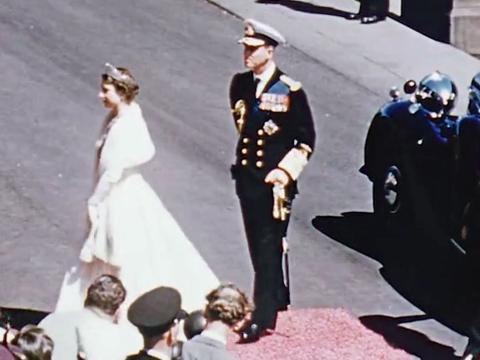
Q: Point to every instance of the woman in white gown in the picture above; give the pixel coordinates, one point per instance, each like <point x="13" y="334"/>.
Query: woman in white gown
<point x="132" y="235"/>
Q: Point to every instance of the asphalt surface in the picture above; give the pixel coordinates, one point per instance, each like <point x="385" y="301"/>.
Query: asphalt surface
<point x="183" y="54"/>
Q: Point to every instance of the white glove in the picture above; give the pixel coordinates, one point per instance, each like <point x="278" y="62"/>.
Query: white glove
<point x="277" y="176"/>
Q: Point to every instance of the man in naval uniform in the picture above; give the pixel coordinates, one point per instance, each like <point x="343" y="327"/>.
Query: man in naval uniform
<point x="156" y="314"/>
<point x="276" y="139"/>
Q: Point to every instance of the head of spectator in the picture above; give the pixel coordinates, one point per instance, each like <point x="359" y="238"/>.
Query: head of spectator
<point x="156" y="315"/>
<point x="194" y="324"/>
<point x="105" y="294"/>
<point x="227" y="307"/>
<point x="34" y="344"/>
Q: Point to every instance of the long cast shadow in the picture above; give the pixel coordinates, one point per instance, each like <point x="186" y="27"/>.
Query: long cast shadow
<point x="431" y="277"/>
<point x="411" y="341"/>
<point x="414" y="13"/>
<point x="307" y="7"/>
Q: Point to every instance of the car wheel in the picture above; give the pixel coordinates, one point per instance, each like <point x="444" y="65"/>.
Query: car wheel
<point x="387" y="193"/>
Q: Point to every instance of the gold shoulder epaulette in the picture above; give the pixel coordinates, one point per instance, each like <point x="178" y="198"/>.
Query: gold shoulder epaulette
<point x="292" y="84"/>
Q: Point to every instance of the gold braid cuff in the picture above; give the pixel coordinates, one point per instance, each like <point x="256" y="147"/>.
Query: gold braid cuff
<point x="294" y="162"/>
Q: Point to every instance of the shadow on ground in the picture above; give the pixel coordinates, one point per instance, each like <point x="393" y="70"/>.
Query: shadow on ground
<point x="430" y="275"/>
<point x="414" y="15"/>
<point x="17" y="318"/>
<point x="307" y="7"/>
<point x="409" y="340"/>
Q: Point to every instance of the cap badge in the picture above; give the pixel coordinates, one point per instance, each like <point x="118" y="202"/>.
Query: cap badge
<point x="249" y="31"/>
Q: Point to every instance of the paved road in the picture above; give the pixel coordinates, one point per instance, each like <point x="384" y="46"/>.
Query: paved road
<point x="183" y="54"/>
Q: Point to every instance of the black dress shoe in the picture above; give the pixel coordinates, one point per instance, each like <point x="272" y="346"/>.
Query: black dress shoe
<point x="371" y="19"/>
<point x="250" y="334"/>
<point x="352" y="16"/>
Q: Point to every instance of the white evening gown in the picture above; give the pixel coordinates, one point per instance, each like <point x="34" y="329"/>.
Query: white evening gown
<point x="136" y="238"/>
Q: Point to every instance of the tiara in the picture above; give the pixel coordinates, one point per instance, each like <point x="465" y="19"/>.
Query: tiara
<point x="114" y="73"/>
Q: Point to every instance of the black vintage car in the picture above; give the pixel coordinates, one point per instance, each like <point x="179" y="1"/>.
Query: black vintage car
<point x="422" y="161"/>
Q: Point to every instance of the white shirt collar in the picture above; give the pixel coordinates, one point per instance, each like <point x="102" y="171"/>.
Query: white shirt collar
<point x="158" y="354"/>
<point x="214" y="336"/>
<point x="100" y="314"/>
<point x="264" y="78"/>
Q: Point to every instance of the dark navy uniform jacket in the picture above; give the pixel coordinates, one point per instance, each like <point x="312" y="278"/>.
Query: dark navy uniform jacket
<point x="279" y="120"/>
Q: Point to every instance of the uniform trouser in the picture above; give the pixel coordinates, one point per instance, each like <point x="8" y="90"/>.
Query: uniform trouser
<point x="374" y="7"/>
<point x="264" y="236"/>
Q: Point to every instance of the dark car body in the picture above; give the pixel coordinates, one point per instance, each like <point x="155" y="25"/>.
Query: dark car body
<point x="468" y="184"/>
<point x="412" y="162"/>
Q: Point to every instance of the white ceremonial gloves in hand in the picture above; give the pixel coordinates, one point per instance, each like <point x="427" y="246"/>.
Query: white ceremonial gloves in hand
<point x="277" y="176"/>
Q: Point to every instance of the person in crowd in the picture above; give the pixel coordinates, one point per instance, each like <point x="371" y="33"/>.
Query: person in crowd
<point x="61" y="327"/>
<point x="131" y="235"/>
<point x="9" y="352"/>
<point x="276" y="138"/>
<point x="156" y="314"/>
<point x="98" y="335"/>
<point x="194" y="324"/>
<point x="7" y="334"/>
<point x="371" y="11"/>
<point x="4" y="324"/>
<point x="34" y="344"/>
<point x="66" y="328"/>
<point x="227" y="306"/>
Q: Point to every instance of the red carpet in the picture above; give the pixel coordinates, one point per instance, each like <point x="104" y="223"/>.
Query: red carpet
<point x="319" y="334"/>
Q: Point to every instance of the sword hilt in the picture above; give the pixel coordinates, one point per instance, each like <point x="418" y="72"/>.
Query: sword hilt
<point x="280" y="210"/>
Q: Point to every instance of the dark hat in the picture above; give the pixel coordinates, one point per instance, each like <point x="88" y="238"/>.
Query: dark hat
<point x="258" y="34"/>
<point x="194" y="324"/>
<point x="155" y="311"/>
